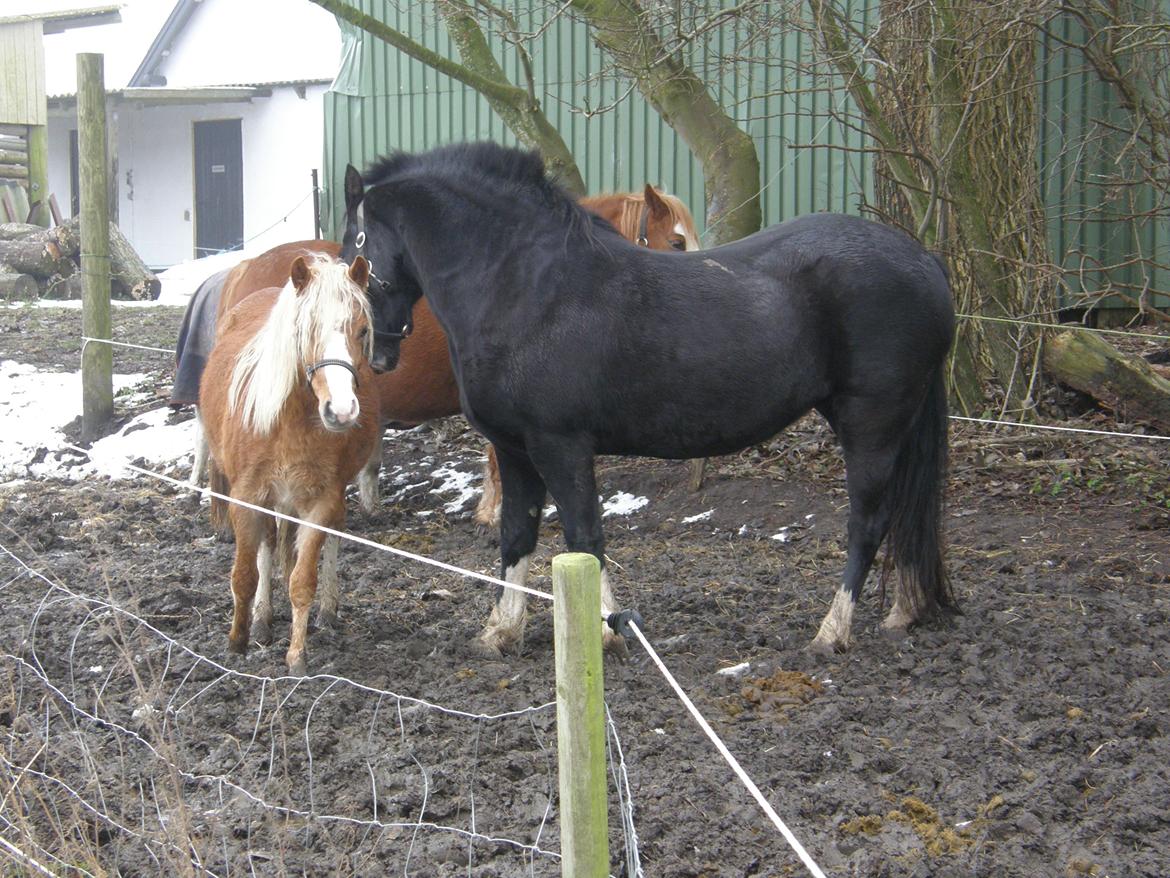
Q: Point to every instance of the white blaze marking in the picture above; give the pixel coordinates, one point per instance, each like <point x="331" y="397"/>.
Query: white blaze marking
<point x="680" y="229"/>
<point x="339" y="381"/>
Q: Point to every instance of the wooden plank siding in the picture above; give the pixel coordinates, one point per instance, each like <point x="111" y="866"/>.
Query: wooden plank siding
<point x="22" y="81"/>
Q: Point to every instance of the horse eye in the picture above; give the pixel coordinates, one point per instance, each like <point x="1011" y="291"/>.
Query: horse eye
<point x="679" y="244"/>
<point x="365" y="331"/>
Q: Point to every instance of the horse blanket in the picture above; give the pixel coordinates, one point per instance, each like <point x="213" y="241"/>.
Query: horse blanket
<point x="196" y="338"/>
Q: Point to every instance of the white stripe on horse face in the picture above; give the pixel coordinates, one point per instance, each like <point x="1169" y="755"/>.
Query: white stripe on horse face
<point x="692" y="243"/>
<point x="342" y="398"/>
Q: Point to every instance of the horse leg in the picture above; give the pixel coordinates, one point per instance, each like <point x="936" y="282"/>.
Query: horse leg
<point x="871" y="434"/>
<point x="262" y="603"/>
<point x="221" y="520"/>
<point x="368" y="481"/>
<point x="487" y="512"/>
<point x="330" y="591"/>
<point x="199" y="453"/>
<point x="567" y="468"/>
<point x="249" y="531"/>
<point x="523" y="500"/>
<point x="302" y="584"/>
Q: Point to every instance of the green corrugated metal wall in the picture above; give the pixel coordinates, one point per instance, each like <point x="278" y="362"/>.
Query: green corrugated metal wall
<point x="383" y="101"/>
<point x="1079" y="168"/>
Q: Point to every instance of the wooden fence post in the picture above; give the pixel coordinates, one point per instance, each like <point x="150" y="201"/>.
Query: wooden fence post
<point x="97" y="359"/>
<point x="580" y="716"/>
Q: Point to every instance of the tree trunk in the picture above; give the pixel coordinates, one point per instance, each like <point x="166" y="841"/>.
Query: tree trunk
<point x="731" y="167"/>
<point x="1125" y="383"/>
<point x="519" y="108"/>
<point x="522" y="114"/>
<point x="952" y="107"/>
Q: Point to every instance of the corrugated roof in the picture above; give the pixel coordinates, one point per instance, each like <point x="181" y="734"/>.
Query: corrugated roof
<point x="164" y="92"/>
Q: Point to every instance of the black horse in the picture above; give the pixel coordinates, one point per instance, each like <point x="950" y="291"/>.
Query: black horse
<point x="568" y="341"/>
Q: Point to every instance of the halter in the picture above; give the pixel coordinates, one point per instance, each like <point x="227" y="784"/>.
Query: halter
<point x="321" y="364"/>
<point x="359" y="243"/>
<point x="643" y="226"/>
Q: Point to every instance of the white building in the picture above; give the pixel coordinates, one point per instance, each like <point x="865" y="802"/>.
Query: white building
<point x="216" y="120"/>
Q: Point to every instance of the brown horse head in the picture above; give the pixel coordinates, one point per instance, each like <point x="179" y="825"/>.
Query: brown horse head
<point x="651" y="219"/>
<point x="319" y="328"/>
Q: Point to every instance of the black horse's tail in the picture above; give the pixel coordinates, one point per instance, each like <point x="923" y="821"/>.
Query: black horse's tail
<point x="915" y="539"/>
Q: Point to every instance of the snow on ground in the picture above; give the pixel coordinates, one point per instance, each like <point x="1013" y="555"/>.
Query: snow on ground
<point x="180" y="281"/>
<point x="36" y="406"/>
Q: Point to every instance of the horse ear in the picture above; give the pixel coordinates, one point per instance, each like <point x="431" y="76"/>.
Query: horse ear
<point x="359" y="272"/>
<point x="299" y="274"/>
<point x="354" y="188"/>
<point x="654" y="202"/>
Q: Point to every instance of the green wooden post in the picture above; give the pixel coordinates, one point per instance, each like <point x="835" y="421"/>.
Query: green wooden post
<point x="580" y="716"/>
<point x="38" y="172"/>
<point x="97" y="360"/>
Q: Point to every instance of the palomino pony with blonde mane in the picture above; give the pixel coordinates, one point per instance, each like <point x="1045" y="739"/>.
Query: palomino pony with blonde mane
<point x="422" y="386"/>
<point x="291" y="415"/>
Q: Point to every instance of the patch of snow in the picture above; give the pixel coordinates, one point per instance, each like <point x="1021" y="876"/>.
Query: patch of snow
<point x="38" y="405"/>
<point x="782" y="537"/>
<point x="690" y="519"/>
<point x="734" y="670"/>
<point x="622" y="503"/>
<point x="179" y="282"/>
<point x="457" y="482"/>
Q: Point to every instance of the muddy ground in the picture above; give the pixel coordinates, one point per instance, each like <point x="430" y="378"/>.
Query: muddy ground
<point x="1025" y="737"/>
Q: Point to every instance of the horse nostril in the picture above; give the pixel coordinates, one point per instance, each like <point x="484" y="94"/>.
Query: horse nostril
<point x="328" y="411"/>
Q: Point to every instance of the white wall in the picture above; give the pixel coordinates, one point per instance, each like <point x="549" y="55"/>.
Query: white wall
<point x="227" y="42"/>
<point x="282" y="142"/>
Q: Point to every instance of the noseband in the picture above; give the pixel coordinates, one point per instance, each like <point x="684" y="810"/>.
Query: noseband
<point x="321" y="364"/>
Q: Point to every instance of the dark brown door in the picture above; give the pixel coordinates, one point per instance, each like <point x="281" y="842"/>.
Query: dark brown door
<point x="219" y="187"/>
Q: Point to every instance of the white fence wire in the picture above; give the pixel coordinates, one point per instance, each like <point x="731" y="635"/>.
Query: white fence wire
<point x="154" y="752"/>
<point x="157" y="741"/>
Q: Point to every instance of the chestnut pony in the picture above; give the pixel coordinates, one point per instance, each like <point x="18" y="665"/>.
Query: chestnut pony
<point x="291" y="414"/>
<point x="422" y="386"/>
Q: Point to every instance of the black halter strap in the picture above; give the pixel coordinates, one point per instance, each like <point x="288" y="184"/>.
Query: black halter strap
<point x="359" y="243"/>
<point x="321" y="364"/>
<point x="643" y="225"/>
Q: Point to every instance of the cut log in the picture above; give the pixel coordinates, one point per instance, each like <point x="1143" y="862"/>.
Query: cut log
<point x="1127" y="384"/>
<point x="70" y="287"/>
<point x="35" y="256"/>
<point x="18" y="286"/>
<point x="128" y="273"/>
<point x="16" y="231"/>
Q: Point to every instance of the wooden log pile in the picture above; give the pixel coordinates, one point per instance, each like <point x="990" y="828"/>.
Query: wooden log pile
<point x="1125" y="383"/>
<point x="46" y="263"/>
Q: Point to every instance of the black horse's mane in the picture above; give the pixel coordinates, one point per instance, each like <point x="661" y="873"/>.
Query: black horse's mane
<point x="511" y="173"/>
